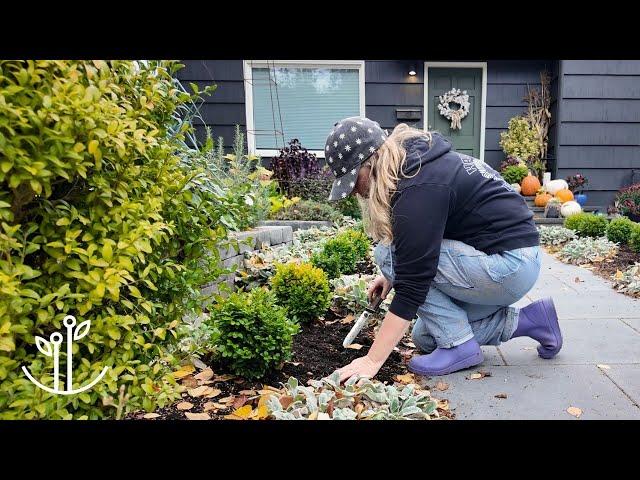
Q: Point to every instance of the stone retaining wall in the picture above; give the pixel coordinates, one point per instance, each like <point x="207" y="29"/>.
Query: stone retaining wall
<point x="261" y="236"/>
<point x="296" y="224"/>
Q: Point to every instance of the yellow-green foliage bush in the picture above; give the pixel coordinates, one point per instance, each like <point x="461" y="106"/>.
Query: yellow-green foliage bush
<point x="99" y="219"/>
<point x="302" y="289"/>
<point x="519" y="140"/>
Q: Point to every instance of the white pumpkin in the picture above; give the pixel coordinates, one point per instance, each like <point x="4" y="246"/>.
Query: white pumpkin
<point x="516" y="187"/>
<point x="555" y="186"/>
<point x="570" y="208"/>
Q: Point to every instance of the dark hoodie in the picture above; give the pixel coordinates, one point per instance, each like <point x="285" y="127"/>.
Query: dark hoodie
<point x="454" y="196"/>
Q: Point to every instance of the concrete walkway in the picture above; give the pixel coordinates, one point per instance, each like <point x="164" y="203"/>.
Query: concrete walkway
<point x="597" y="370"/>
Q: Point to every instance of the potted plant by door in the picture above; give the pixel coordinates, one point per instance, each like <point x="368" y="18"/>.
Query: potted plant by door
<point x="576" y="184"/>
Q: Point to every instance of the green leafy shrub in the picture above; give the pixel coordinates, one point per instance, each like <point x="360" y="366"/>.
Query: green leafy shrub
<point x="340" y="255"/>
<point x="587" y="250"/>
<point x="105" y="216"/>
<point x="520" y="140"/>
<point x="302" y="289"/>
<point x="555" y="236"/>
<point x="350" y="207"/>
<point x="307" y="210"/>
<point x="587" y="224"/>
<point x="515" y="173"/>
<point x="252" y="334"/>
<point x="634" y="238"/>
<point x="619" y="230"/>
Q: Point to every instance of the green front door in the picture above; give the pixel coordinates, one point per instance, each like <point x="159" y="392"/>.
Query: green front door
<point x="441" y="80"/>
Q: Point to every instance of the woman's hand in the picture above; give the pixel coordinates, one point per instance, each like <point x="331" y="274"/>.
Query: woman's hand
<point x="380" y="286"/>
<point x="363" y="367"/>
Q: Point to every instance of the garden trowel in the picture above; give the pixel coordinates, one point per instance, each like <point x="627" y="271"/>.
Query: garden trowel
<point x="370" y="309"/>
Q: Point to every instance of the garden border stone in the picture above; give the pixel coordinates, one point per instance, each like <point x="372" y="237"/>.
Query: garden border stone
<point x="297" y="224"/>
<point x="261" y="236"/>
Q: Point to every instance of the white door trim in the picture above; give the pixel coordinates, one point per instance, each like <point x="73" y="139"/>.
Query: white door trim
<point x="483" y="107"/>
<point x="248" y="91"/>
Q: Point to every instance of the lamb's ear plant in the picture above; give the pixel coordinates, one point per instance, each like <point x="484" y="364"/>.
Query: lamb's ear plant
<point x="628" y="281"/>
<point x="587" y="250"/>
<point x="358" y="398"/>
<point x="555" y="236"/>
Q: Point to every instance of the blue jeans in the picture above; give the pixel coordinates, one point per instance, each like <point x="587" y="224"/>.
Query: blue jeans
<point x="470" y="295"/>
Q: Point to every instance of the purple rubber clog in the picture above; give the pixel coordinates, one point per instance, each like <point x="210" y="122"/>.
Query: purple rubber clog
<point x="443" y="361"/>
<point x="539" y="321"/>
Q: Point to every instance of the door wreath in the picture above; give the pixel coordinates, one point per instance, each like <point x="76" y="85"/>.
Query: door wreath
<point x="458" y="97"/>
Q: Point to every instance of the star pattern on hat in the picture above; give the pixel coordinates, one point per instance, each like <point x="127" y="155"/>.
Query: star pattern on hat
<point x="371" y="149"/>
<point x="341" y="136"/>
<point x="358" y="141"/>
<point x="344" y="195"/>
<point x="353" y="172"/>
<point x="353" y="129"/>
<point x="340" y="156"/>
<point x="344" y="170"/>
<point x="335" y="144"/>
<point x="361" y="156"/>
<point x="352" y="184"/>
<point x="347" y="148"/>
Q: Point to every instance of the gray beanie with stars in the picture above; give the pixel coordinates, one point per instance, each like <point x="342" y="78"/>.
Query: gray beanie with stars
<point x="350" y="143"/>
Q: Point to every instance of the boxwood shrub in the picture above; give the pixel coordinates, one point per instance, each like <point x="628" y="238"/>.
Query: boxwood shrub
<point x="587" y="224"/>
<point x="619" y="230"/>
<point x="302" y="289"/>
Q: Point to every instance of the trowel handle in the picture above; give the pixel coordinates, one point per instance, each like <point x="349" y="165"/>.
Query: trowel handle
<point x="374" y="304"/>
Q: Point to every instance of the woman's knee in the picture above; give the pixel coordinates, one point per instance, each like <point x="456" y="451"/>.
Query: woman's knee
<point x="421" y="337"/>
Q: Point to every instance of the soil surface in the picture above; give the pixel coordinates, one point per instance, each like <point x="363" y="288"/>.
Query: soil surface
<point x="317" y="352"/>
<point x="623" y="259"/>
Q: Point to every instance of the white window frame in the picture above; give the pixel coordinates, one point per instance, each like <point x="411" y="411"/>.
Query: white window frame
<point x="248" y="92"/>
<point x="483" y="113"/>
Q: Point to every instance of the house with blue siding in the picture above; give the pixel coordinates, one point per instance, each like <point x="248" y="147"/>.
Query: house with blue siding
<point x="595" y="106"/>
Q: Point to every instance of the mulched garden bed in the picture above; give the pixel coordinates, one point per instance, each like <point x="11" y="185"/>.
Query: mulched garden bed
<point x="317" y="352"/>
<point x="621" y="261"/>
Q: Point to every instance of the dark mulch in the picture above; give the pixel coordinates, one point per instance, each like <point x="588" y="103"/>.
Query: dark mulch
<point x="317" y="352"/>
<point x="366" y="267"/>
<point x="623" y="260"/>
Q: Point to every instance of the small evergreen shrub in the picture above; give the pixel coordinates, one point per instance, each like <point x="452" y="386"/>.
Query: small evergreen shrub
<point x="350" y="207"/>
<point x="587" y="224"/>
<point x="302" y="289"/>
<point x="251" y="333"/>
<point x="634" y="238"/>
<point x="619" y="230"/>
<point x="340" y="255"/>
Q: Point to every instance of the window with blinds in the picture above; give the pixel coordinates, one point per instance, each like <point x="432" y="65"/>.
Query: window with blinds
<point x="302" y="102"/>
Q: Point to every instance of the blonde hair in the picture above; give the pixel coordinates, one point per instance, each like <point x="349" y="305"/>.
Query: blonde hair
<point x="386" y="165"/>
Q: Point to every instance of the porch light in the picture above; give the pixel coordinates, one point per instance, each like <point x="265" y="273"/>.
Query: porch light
<point x="412" y="70"/>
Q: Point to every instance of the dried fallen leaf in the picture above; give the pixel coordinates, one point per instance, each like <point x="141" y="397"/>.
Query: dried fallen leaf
<point x="184" y="406"/>
<point x="189" y="382"/>
<point x="474" y="376"/>
<point x="603" y="367"/>
<point x="355" y="346"/>
<point x="197" y="416"/>
<point x="213" y="393"/>
<point x="285" y="401"/>
<point x="359" y="408"/>
<point x="200" y="391"/>
<point x="206" y="374"/>
<point x="410" y="344"/>
<point x="406" y="378"/>
<point x="224" y="378"/>
<point x="348" y="319"/>
<point x="619" y="275"/>
<point x="577" y="280"/>
<point x="575" y="411"/>
<point x="295" y="364"/>
<point x="241" y="413"/>
<point x="249" y="393"/>
<point x="229" y="399"/>
<point x="313" y="415"/>
<point x="260" y="413"/>
<point x="184" y="371"/>
<point x="209" y="406"/>
<point x="442" y="386"/>
<point x="323" y="416"/>
<point x="501" y="395"/>
<point x="240" y="401"/>
<point x="149" y="416"/>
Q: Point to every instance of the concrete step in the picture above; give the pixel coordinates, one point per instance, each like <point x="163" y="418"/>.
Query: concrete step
<point x="548" y="221"/>
<point x="584" y="209"/>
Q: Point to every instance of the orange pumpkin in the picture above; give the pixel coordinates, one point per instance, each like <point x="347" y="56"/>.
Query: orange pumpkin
<point x="530" y="185"/>
<point x="564" y="195"/>
<point x="542" y="199"/>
